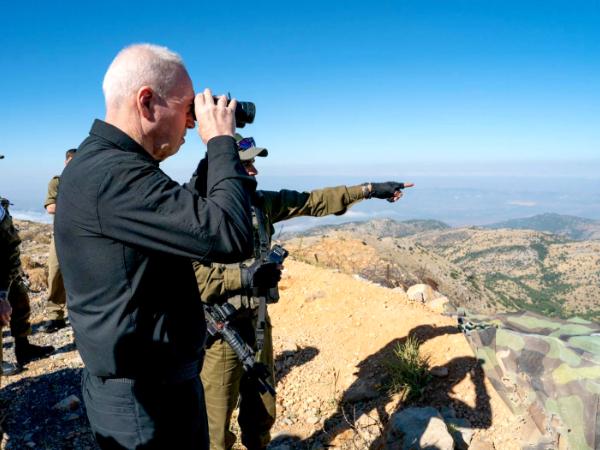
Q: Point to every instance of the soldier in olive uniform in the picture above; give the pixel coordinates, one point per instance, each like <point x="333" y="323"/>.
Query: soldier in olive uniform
<point x="5" y="309"/>
<point x="57" y="297"/>
<point x="12" y="282"/>
<point x="222" y="374"/>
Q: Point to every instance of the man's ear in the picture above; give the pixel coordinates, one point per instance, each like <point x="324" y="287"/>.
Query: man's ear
<point x="145" y="100"/>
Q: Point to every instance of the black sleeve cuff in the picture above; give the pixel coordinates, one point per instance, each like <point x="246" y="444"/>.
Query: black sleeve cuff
<point x="221" y="144"/>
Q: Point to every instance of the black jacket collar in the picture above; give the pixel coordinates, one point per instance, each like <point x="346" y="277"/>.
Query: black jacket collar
<point x="119" y="138"/>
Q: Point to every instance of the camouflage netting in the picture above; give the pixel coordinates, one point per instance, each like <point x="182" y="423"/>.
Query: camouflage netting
<point x="545" y="369"/>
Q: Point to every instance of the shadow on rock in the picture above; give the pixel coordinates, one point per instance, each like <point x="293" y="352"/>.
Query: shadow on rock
<point x="46" y="412"/>
<point x="288" y="359"/>
<point x="65" y="348"/>
<point x="362" y="408"/>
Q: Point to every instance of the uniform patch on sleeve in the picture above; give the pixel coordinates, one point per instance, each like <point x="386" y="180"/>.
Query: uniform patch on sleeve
<point x="2" y="213"/>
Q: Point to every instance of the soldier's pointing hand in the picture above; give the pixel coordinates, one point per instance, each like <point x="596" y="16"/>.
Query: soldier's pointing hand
<point x="389" y="190"/>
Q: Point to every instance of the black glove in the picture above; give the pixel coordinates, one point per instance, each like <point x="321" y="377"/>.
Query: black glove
<point x="261" y="276"/>
<point x="385" y="190"/>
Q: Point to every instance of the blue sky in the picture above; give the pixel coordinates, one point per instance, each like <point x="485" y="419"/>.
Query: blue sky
<point x="360" y="88"/>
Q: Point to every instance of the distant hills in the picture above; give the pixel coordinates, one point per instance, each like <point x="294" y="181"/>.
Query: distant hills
<point x="378" y="227"/>
<point x="508" y="266"/>
<point x="576" y="228"/>
<point x="571" y="227"/>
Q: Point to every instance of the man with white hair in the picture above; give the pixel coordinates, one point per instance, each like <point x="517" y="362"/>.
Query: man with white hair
<point x="125" y="233"/>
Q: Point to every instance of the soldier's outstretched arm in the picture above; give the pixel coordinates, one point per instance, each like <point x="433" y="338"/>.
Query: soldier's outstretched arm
<point x="286" y="204"/>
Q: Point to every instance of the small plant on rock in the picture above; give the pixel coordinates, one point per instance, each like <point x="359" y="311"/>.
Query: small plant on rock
<point x="408" y="369"/>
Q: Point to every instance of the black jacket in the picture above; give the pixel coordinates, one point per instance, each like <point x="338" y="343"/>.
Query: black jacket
<point x="125" y="233"/>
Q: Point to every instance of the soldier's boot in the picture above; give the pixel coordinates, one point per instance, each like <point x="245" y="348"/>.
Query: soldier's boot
<point x="52" y="326"/>
<point x="26" y="352"/>
<point x="9" y="369"/>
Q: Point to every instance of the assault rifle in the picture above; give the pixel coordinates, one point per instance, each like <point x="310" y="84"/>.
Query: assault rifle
<point x="217" y="323"/>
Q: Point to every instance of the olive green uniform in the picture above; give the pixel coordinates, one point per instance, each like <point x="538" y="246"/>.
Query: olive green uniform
<point x="57" y="297"/>
<point x="17" y="294"/>
<point x="6" y="257"/>
<point x="222" y="374"/>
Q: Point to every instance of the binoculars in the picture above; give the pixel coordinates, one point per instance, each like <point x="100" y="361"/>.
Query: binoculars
<point x="244" y="112"/>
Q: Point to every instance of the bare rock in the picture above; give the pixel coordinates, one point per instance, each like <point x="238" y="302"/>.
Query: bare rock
<point x="448" y="412"/>
<point x="421" y="293"/>
<point x="369" y="427"/>
<point x="360" y="391"/>
<point x="70" y="403"/>
<point x="439" y="371"/>
<point x="418" y="428"/>
<point x="438" y="305"/>
<point x="312" y="420"/>
<point x="461" y="431"/>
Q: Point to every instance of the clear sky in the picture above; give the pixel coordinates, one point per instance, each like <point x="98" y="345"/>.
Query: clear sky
<point x="360" y="87"/>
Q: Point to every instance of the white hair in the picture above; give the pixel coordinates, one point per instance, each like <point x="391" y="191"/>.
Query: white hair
<point x="141" y="65"/>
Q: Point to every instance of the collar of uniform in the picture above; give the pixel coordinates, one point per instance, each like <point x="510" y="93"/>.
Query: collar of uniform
<point x="119" y="138"/>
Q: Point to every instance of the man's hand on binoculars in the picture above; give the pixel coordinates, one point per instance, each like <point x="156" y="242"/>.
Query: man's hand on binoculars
<point x="214" y="119"/>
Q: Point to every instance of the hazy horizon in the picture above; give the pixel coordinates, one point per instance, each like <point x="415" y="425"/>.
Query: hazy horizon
<point x="456" y="200"/>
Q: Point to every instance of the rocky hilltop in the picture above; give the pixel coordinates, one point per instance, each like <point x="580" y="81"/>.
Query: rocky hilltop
<point x="483" y="270"/>
<point x="379" y="228"/>
<point x="525" y="269"/>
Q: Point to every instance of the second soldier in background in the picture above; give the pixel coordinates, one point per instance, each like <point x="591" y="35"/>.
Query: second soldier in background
<point x="222" y="374"/>
<point x="57" y="297"/>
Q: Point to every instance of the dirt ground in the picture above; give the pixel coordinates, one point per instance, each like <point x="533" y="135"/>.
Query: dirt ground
<point x="339" y="331"/>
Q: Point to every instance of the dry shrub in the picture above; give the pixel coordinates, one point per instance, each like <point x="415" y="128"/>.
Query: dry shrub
<point x="28" y="263"/>
<point x="43" y="238"/>
<point x="408" y="370"/>
<point x="28" y="235"/>
<point x="35" y="234"/>
<point x="38" y="279"/>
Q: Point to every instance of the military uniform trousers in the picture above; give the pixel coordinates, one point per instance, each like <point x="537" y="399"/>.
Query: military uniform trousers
<point x="21" y="310"/>
<point x="57" y="297"/>
<point x="225" y="381"/>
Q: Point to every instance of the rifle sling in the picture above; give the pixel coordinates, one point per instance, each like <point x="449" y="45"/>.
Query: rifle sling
<point x="264" y="245"/>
